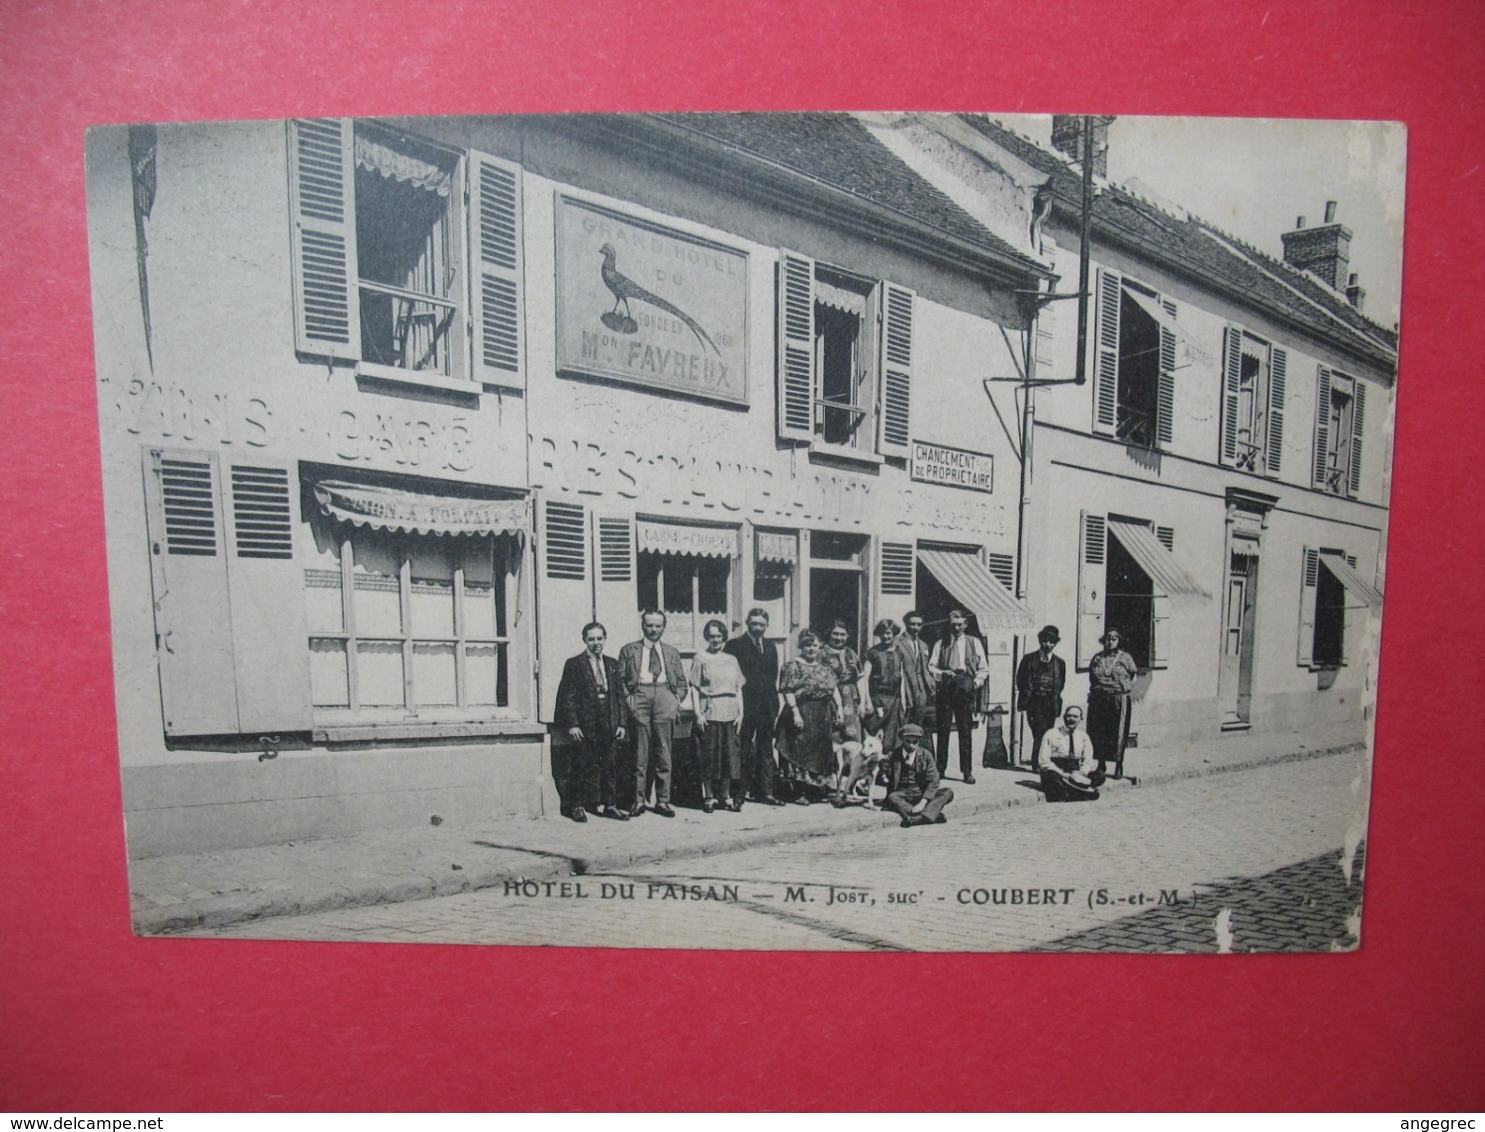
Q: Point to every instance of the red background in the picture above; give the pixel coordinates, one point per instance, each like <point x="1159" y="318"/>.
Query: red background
<point x="91" y="1018"/>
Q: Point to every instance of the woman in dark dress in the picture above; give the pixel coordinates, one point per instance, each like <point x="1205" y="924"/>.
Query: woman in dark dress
<point x="811" y="703"/>
<point x="884" y="682"/>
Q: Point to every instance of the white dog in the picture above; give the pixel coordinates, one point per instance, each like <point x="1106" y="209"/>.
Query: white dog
<point x="858" y="763"/>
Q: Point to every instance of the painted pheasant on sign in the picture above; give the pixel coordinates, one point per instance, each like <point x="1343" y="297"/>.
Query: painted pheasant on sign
<point x="624" y="289"/>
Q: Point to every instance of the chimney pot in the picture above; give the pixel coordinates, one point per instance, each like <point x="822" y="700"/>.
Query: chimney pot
<point x="1067" y="137"/>
<point x="1300" y="223"/>
<point x="1330" y="212"/>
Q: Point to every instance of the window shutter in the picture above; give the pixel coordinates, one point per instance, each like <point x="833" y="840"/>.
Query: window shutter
<point x="894" y="422"/>
<point x="270" y="635"/>
<point x="616" y="587"/>
<point x="1167" y="537"/>
<point x="1002" y="568"/>
<point x="495" y="305"/>
<point x="1106" y="356"/>
<point x="1232" y="372"/>
<point x="1322" y="428"/>
<point x="1165" y="402"/>
<point x="564" y="594"/>
<point x="1358" y="421"/>
<point x="1092" y="538"/>
<point x="897" y="571"/>
<point x="322" y="188"/>
<point x="1308" y="585"/>
<point x="188" y="574"/>
<point x="1160" y="631"/>
<point x="1274" y="444"/>
<point x="796" y="388"/>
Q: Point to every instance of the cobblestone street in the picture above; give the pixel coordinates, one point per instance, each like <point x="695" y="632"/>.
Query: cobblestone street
<point x="1263" y="859"/>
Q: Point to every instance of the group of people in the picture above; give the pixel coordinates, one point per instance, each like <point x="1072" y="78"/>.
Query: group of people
<point x="838" y="721"/>
<point x="1072" y="757"/>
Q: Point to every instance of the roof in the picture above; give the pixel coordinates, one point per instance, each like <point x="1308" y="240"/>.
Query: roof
<point x="1256" y="278"/>
<point x="837" y="150"/>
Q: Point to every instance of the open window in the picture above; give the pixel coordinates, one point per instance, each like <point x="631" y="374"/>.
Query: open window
<point x="1134" y="363"/>
<point x="1331" y="585"/>
<point x="407" y="256"/>
<point x="1340" y="417"/>
<point x="1253" y="379"/>
<point x="845" y="360"/>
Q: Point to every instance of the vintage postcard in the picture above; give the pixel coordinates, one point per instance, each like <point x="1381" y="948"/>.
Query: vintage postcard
<point x="870" y="531"/>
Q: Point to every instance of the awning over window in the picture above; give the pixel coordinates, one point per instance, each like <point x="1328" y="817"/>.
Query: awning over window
<point x="675" y="538"/>
<point x="1355" y="585"/>
<point x="839" y="298"/>
<point x="388" y="509"/>
<point x="774" y="547"/>
<point x="967" y="579"/>
<point x="1167" y="322"/>
<point x="379" y="158"/>
<point x="1170" y="578"/>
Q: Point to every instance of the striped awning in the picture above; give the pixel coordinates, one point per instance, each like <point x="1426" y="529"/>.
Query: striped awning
<point x="389" y="509"/>
<point x="678" y="538"/>
<point x="1355" y="584"/>
<point x="1170" y="578"/>
<point x="1168" y="322"/>
<point x="966" y="578"/>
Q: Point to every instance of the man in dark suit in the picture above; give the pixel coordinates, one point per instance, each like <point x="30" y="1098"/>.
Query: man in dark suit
<point x="654" y="690"/>
<point x="758" y="657"/>
<point x="589" y="711"/>
<point x="1040" y="678"/>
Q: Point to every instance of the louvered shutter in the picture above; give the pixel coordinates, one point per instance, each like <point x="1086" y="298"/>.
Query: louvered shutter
<point x="495" y="306"/>
<point x="1092" y="540"/>
<point x="894" y="422"/>
<point x="1309" y="582"/>
<point x="270" y="633"/>
<point x="1165" y="394"/>
<point x="1274" y="443"/>
<point x="1160" y="631"/>
<point x="322" y="193"/>
<point x="1358" y="421"/>
<point x="616" y="585"/>
<point x="188" y="574"/>
<point x="897" y="569"/>
<point x="796" y="328"/>
<point x="1322" y="429"/>
<point x="1232" y="375"/>
<point x="1106" y="355"/>
<point x="564" y="594"/>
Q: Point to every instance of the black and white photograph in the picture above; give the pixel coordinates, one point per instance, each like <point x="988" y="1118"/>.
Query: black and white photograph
<point x="807" y="531"/>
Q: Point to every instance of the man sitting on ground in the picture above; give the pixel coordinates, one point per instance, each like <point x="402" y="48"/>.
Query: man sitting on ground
<point x="915" y="779"/>
<point x="1069" y="768"/>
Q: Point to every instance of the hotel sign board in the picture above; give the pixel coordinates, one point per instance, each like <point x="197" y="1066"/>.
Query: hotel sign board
<point x="933" y="463"/>
<point x="644" y="304"/>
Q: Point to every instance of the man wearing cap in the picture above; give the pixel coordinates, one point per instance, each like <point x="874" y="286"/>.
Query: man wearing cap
<point x="1040" y="678"/>
<point x="915" y="779"/>
<point x="1111" y="676"/>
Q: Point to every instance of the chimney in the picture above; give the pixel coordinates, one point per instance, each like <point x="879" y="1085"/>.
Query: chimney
<point x="1325" y="250"/>
<point x="1067" y="136"/>
<point x="1355" y="294"/>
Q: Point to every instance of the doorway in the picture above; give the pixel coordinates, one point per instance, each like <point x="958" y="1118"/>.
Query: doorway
<point x="1235" y="679"/>
<point x="837" y="585"/>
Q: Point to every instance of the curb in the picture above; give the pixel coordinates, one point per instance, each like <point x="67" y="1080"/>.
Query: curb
<point x="225" y="910"/>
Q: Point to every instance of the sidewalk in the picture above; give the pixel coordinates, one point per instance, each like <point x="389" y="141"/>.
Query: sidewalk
<point x="178" y="893"/>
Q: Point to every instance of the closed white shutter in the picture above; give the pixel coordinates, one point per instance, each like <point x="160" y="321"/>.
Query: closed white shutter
<point x="894" y="422"/>
<point x="1159" y="631"/>
<point x="188" y="573"/>
<point x="564" y="593"/>
<point x="1309" y="582"/>
<point x="1092" y="544"/>
<point x="1358" y="421"/>
<point x="616" y="584"/>
<point x="1106" y="354"/>
<point x="496" y="309"/>
<point x="1322" y="429"/>
<point x="322" y="193"/>
<point x="1165" y="394"/>
<point x="1274" y="443"/>
<point x="270" y="628"/>
<point x="1232" y="371"/>
<point x="796" y="329"/>
<point x="897" y="569"/>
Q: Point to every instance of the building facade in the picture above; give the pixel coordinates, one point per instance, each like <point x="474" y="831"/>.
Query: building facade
<point x="390" y="410"/>
<point x="1214" y="482"/>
